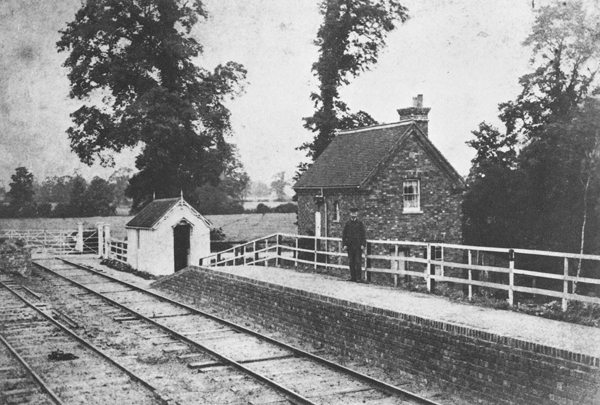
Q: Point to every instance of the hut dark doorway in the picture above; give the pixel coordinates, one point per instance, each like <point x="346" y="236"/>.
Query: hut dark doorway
<point x="181" y="245"/>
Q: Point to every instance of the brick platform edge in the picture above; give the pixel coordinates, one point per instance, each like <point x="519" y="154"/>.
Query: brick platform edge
<point x="18" y="261"/>
<point x="486" y="366"/>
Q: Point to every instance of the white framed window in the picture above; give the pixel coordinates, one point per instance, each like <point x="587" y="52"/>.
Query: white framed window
<point x="336" y="211"/>
<point x="411" y="193"/>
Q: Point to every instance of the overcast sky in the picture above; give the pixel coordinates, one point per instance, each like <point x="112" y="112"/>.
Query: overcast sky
<point x="464" y="56"/>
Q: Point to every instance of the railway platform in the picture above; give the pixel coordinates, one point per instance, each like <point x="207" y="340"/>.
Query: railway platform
<point x="546" y="332"/>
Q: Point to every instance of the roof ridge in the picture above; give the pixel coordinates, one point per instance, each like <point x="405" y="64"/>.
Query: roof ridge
<point x="380" y="126"/>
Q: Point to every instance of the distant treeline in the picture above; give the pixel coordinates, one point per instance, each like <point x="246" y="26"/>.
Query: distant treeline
<point x="72" y="196"/>
<point x="65" y="196"/>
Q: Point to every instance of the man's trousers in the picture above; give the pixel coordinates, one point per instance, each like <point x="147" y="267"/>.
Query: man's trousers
<point x="355" y="263"/>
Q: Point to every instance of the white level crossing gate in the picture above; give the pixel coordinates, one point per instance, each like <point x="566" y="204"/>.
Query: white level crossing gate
<point x="56" y="242"/>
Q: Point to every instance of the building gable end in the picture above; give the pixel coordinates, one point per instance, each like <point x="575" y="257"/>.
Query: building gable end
<point x="391" y="153"/>
<point x="155" y="212"/>
<point x="428" y="147"/>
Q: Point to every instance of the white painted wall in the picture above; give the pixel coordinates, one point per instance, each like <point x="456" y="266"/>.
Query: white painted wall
<point x="155" y="253"/>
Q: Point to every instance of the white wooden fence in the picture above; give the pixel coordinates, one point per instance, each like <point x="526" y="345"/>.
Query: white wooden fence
<point x="117" y="250"/>
<point x="516" y="271"/>
<point x="537" y="273"/>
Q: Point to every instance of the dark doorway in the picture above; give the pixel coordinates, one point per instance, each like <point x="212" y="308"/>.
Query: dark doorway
<point x="181" y="245"/>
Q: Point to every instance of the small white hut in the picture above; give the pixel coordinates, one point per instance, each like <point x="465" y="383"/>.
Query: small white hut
<point x="166" y="236"/>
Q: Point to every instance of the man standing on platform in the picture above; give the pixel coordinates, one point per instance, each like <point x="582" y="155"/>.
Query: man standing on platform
<point x="354" y="238"/>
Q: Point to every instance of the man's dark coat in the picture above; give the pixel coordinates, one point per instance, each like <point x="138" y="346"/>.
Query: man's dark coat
<point x="354" y="234"/>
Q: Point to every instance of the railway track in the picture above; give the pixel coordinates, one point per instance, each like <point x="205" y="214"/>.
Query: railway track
<point x="151" y="331"/>
<point x="18" y="382"/>
<point x="42" y="362"/>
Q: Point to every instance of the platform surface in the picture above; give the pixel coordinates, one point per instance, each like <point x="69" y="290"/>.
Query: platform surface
<point x="561" y="335"/>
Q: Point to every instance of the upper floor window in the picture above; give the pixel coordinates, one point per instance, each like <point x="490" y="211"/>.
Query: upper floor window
<point x="336" y="211"/>
<point x="412" y="196"/>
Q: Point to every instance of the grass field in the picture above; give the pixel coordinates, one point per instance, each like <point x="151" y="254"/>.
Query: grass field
<point x="242" y="227"/>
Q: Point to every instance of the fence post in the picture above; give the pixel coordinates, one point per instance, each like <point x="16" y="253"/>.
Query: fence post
<point x="100" y="240"/>
<point x="266" y="262"/>
<point x="244" y="253"/>
<point x="396" y="266"/>
<point x="279" y="250"/>
<point x="315" y="255"/>
<point x="79" y="242"/>
<point x="470" y="262"/>
<point x="367" y="262"/>
<point x="442" y="258"/>
<point x="428" y="269"/>
<point x="256" y="255"/>
<point x="296" y="252"/>
<point x="565" y="302"/>
<point x="107" y="249"/>
<point x="511" y="277"/>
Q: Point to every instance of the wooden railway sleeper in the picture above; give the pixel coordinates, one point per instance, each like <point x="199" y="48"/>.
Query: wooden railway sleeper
<point x="134" y="376"/>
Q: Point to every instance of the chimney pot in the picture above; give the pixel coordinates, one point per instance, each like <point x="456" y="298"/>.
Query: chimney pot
<point x="416" y="113"/>
<point x="418" y="101"/>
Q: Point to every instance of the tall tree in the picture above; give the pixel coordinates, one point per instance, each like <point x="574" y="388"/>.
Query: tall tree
<point x="489" y="216"/>
<point x="533" y="185"/>
<point x="278" y="186"/>
<point x="21" y="193"/>
<point x="77" y="206"/>
<point x="227" y="196"/>
<point x="350" y="38"/>
<point x="131" y="61"/>
<point x="62" y="188"/>
<point x="565" y="44"/>
<point x="99" y="198"/>
<point x="562" y="177"/>
<point x="235" y="181"/>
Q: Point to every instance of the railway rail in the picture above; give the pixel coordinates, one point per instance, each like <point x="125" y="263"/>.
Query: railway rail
<point x="235" y="359"/>
<point x="73" y="372"/>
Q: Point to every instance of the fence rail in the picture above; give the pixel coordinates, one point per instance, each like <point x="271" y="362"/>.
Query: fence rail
<point x="117" y="250"/>
<point x="57" y="242"/>
<point x="514" y="271"/>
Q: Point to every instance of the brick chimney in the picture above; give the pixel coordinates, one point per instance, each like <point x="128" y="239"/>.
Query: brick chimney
<point x="416" y="113"/>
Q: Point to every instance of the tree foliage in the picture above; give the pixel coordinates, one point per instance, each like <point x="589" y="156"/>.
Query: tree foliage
<point x="21" y="187"/>
<point x="350" y="39"/>
<point x="120" y="180"/>
<point x="21" y="193"/>
<point x="77" y="206"/>
<point x="536" y="185"/>
<point x="226" y="197"/>
<point x="565" y="49"/>
<point x="100" y="198"/>
<point x="234" y="180"/>
<point x="259" y="189"/>
<point x="55" y="189"/>
<point x="278" y="185"/>
<point x="132" y="63"/>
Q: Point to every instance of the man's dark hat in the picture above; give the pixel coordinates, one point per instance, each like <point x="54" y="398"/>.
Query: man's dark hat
<point x="353" y="209"/>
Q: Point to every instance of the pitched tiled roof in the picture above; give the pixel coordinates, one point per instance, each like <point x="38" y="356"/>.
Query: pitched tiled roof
<point x="351" y="157"/>
<point x="354" y="156"/>
<point x="152" y="213"/>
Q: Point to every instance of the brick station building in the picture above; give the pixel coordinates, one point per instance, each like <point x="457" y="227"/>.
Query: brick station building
<point x="403" y="187"/>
